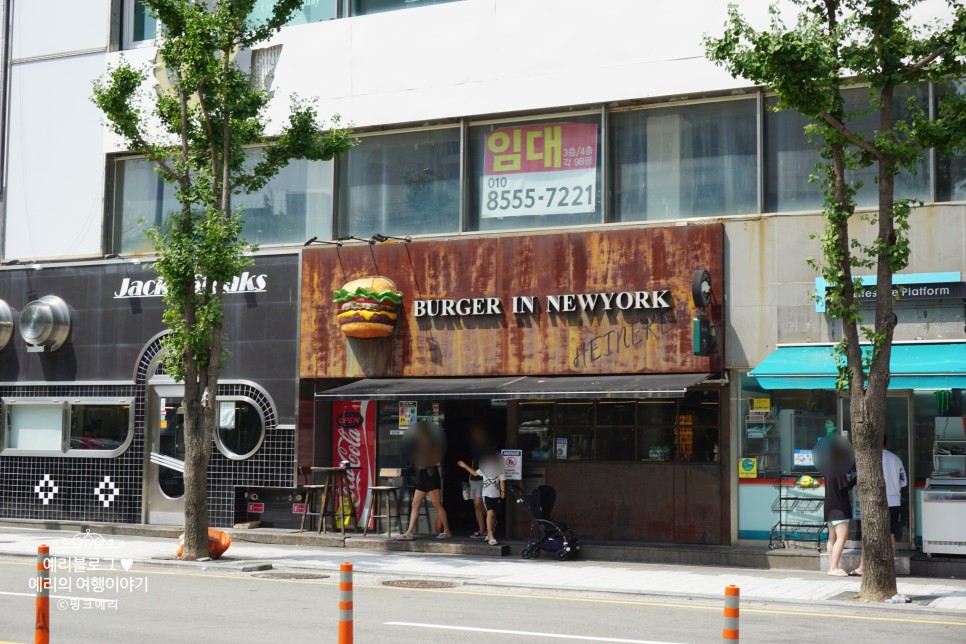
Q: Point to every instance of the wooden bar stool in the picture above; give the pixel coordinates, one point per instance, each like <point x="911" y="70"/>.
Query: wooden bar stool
<point x="311" y="497"/>
<point x="378" y="493"/>
<point x="335" y="491"/>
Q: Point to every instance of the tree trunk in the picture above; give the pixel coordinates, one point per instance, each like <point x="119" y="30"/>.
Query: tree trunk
<point x="879" y="576"/>
<point x="198" y="440"/>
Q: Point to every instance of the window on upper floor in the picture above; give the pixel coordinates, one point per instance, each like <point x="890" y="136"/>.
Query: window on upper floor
<point x="950" y="168"/>
<point x="790" y="157"/>
<point x="310" y="11"/>
<point x="401" y="184"/>
<point x="365" y="7"/>
<point x="138" y="26"/>
<point x="293" y="206"/>
<point x="543" y="172"/>
<point x="697" y="160"/>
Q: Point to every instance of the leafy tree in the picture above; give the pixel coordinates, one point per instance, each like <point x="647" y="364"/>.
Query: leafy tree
<point x="194" y="127"/>
<point x="833" y="43"/>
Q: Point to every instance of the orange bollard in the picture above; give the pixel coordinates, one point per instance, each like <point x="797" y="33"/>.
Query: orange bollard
<point x="42" y="621"/>
<point x="730" y="631"/>
<point x="345" y="603"/>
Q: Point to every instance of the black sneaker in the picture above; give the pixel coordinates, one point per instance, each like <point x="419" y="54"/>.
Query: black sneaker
<point x="477" y="535"/>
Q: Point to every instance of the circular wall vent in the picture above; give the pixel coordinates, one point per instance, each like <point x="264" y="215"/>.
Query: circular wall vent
<point x="45" y="322"/>
<point x="6" y="324"/>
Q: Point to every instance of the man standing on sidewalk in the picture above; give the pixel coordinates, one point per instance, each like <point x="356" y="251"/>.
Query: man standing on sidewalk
<point x="895" y="479"/>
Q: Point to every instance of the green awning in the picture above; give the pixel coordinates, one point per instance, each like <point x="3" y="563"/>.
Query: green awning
<point x="934" y="365"/>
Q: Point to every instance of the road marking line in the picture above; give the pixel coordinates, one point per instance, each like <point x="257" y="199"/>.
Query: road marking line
<point x="587" y="600"/>
<point x="500" y="631"/>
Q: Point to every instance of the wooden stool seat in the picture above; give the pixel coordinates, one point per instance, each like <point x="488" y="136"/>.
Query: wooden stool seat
<point x="378" y="493"/>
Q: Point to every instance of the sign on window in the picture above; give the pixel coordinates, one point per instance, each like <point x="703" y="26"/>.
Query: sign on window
<point x="547" y="169"/>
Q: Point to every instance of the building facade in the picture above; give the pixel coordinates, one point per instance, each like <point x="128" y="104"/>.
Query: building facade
<point x="562" y="171"/>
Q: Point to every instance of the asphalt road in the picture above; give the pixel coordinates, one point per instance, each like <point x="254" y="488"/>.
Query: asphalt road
<point x="184" y="605"/>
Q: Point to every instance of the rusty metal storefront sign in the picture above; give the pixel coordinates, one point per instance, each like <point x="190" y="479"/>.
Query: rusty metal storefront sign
<point x="604" y="302"/>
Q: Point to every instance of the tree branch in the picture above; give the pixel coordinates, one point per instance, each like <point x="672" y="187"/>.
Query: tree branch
<point x="925" y="60"/>
<point x="852" y="137"/>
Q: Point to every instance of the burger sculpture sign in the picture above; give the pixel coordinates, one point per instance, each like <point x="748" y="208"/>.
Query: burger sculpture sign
<point x="368" y="307"/>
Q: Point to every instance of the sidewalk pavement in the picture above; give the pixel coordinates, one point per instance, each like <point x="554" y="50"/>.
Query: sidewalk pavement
<point x="650" y="579"/>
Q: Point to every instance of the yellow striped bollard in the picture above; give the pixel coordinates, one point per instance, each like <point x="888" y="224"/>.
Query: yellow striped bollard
<point x="42" y="617"/>
<point x="730" y="631"/>
<point x="345" y="603"/>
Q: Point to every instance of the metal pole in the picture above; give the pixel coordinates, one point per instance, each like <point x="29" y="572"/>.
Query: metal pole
<point x="730" y="631"/>
<point x="345" y="603"/>
<point x="42" y="621"/>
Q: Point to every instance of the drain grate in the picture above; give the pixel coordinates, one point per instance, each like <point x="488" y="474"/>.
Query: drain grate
<point x="290" y="575"/>
<point x="419" y="583"/>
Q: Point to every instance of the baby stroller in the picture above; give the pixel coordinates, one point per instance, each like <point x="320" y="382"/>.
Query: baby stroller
<point x="545" y="533"/>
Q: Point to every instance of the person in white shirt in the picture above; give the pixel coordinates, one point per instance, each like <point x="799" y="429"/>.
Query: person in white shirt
<point x="494" y="490"/>
<point x="895" y="479"/>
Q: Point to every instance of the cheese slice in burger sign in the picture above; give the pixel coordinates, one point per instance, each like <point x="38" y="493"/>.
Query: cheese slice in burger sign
<point x="368" y="307"/>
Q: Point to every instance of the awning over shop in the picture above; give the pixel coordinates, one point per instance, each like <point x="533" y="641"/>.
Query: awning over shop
<point x="528" y="387"/>
<point x="913" y="366"/>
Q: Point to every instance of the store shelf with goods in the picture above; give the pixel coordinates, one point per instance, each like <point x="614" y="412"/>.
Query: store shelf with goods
<point x="800" y="505"/>
<point x="949" y="448"/>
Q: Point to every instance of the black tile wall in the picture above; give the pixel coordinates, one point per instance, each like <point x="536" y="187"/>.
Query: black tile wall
<point x="110" y="489"/>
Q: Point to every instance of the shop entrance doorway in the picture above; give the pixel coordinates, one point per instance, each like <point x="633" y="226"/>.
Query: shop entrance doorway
<point x="898" y="431"/>
<point x="164" y="452"/>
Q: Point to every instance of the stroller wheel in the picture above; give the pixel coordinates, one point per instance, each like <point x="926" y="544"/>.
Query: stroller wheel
<point x="563" y="554"/>
<point x="527" y="553"/>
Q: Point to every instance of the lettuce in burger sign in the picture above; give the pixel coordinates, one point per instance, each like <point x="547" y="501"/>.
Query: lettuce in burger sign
<point x="368" y="307"/>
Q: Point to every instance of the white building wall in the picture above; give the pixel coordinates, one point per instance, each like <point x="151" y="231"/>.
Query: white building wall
<point x="473" y="57"/>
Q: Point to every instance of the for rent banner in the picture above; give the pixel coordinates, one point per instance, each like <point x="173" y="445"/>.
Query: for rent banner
<point x="354" y="440"/>
<point x="540" y="170"/>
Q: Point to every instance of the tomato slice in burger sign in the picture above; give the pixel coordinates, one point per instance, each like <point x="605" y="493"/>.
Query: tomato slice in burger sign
<point x="368" y="307"/>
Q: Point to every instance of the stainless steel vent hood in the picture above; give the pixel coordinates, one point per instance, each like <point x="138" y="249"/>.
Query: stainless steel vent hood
<point x="45" y="323"/>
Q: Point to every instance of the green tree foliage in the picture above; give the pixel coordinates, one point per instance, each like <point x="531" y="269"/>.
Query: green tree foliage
<point x="860" y="42"/>
<point x="194" y="123"/>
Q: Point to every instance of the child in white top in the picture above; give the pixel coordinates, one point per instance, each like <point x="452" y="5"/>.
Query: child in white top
<point x="494" y="490"/>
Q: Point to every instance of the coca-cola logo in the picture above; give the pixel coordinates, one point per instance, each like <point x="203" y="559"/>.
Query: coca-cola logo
<point x="349" y="448"/>
<point x="350" y="420"/>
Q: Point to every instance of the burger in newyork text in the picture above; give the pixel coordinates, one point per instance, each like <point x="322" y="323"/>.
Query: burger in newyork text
<point x="530" y="305"/>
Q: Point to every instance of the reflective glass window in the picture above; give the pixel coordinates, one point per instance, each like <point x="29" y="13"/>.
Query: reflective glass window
<point x="790" y="157"/>
<point x="293" y="205"/>
<point x="365" y="7"/>
<point x="685" y="161"/>
<point x="240" y="428"/>
<point x="401" y="184"/>
<point x="99" y="427"/>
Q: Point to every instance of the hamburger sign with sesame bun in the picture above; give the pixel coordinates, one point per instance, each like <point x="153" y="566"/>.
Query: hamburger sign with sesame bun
<point x="368" y="307"/>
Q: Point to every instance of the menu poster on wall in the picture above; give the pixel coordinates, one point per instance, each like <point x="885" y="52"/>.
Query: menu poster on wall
<point x="561" y="451"/>
<point x="407" y="415"/>
<point x="544" y="169"/>
<point x="354" y="441"/>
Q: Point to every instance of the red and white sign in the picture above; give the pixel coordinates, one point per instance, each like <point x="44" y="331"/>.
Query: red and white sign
<point x="256" y="508"/>
<point x="540" y="170"/>
<point x="298" y="508"/>
<point x="354" y="440"/>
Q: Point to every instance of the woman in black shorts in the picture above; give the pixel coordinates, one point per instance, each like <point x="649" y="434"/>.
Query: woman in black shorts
<point x="428" y="483"/>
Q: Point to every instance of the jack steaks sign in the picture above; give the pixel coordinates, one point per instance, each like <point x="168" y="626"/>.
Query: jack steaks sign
<point x="612" y="301"/>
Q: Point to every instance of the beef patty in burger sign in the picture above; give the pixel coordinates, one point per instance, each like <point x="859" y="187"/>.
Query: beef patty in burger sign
<point x="368" y="307"/>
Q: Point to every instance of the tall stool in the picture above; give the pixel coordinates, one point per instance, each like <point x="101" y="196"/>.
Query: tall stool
<point x="311" y="497"/>
<point x="378" y="493"/>
<point x="336" y="489"/>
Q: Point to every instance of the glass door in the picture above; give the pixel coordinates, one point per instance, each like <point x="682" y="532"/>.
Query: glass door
<point x="164" y="457"/>
<point x="897" y="433"/>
